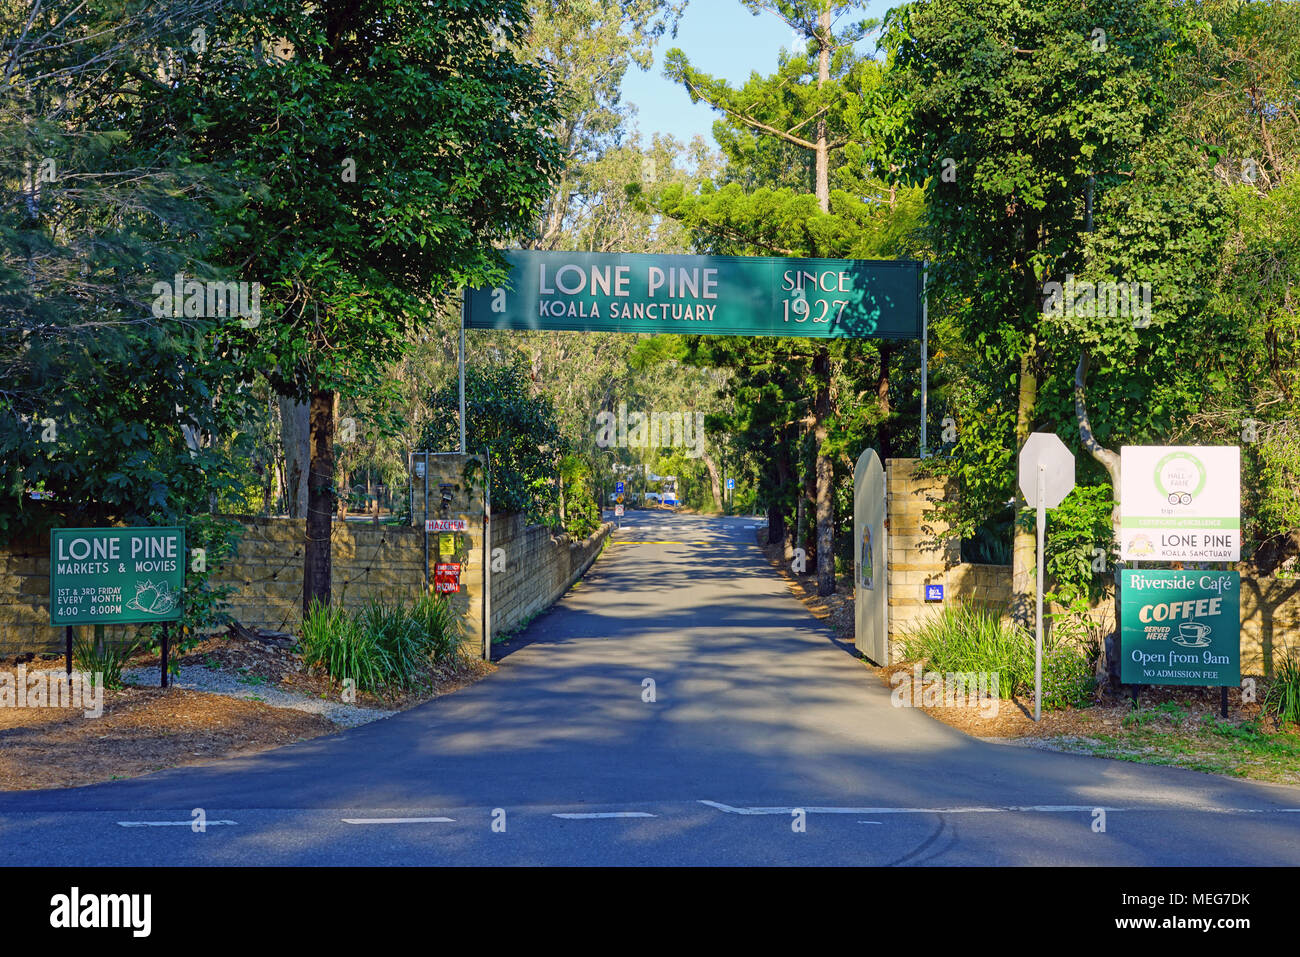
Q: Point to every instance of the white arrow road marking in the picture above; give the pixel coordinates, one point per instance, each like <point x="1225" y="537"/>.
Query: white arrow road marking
<point x="599" y="814"/>
<point x="398" y="820"/>
<point x="190" y="823"/>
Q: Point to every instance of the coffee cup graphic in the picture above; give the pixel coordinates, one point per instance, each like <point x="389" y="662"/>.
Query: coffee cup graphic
<point x="1193" y="633"/>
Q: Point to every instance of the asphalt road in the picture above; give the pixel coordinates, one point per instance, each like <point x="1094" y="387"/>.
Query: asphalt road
<point x="559" y="759"/>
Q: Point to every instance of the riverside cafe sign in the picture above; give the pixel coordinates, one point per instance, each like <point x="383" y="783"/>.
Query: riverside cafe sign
<point x="1180" y="627"/>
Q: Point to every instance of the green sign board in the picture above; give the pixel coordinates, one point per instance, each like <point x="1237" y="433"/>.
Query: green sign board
<point x="710" y="295"/>
<point x="1180" y="627"/>
<point x="115" y="576"/>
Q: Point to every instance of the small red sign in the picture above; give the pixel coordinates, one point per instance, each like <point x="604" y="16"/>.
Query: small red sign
<point x="446" y="577"/>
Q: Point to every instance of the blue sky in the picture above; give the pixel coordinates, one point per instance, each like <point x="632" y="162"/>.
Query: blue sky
<point x="720" y="37"/>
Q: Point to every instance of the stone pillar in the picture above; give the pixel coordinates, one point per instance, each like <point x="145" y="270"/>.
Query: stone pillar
<point x="913" y="563"/>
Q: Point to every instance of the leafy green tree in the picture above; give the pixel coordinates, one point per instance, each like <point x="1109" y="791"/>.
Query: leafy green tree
<point x="389" y="147"/>
<point x="1020" y="119"/>
<point x="517" y="429"/>
<point x="109" y="412"/>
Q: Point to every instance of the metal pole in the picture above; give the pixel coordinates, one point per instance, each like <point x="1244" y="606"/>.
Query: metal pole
<point x="464" y="305"/>
<point x="925" y="352"/>
<point x="166" y="634"/>
<point x="487" y="557"/>
<point x="424" y="520"/>
<point x="67" y="636"/>
<point x="1038" y="618"/>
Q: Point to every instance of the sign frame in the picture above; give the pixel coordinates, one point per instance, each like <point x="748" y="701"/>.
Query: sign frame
<point x="1201" y="636"/>
<point x="170" y="598"/>
<point x="1160" y="523"/>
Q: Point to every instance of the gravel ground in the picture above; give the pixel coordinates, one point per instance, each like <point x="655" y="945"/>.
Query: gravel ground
<point x="200" y="678"/>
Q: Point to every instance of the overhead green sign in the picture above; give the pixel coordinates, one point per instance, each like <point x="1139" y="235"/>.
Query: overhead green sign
<point x="115" y="576"/>
<point x="709" y="295"/>
<point x="1180" y="627"/>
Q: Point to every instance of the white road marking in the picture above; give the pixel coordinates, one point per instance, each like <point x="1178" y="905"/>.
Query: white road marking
<point x="190" y="823"/>
<point x="398" y="820"/>
<point x="600" y="814"/>
<point x="1033" y="808"/>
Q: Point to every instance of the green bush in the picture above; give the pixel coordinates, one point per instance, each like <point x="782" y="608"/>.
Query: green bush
<point x="1282" y="700"/>
<point x="967" y="638"/>
<point x="381" y="645"/>
<point x="336" y="642"/>
<point x="442" y="634"/>
<point x="1068" y="677"/>
<point x="107" y="658"/>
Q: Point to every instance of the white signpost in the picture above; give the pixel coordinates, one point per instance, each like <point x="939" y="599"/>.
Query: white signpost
<point x="1180" y="503"/>
<point x="1046" y="477"/>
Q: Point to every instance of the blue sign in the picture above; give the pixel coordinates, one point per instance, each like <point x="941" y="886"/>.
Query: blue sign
<point x="618" y="488"/>
<point x="934" y="593"/>
<point x="731" y="484"/>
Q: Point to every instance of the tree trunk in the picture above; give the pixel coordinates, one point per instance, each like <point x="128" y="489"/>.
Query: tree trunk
<point x="317" y="568"/>
<point x="775" y="523"/>
<point x="822" y="365"/>
<point x="1024" y="543"/>
<point x="823" y="77"/>
<point x="882" y="397"/>
<point x="825" y="479"/>
<point x="1108" y="459"/>
<point x="295" y="435"/>
<point x="715" y="479"/>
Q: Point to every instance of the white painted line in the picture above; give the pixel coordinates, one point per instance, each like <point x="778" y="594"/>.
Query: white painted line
<point x="202" y="824"/>
<point x="398" y="820"/>
<point x="1033" y="808"/>
<point x="871" y="822"/>
<point x="602" y="814"/>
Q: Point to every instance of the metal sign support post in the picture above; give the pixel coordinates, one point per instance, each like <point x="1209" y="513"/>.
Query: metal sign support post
<point x="464" y="305"/>
<point x="166" y="635"/>
<point x="925" y="351"/>
<point x="67" y="637"/>
<point x="424" y="520"/>
<point x="1038" y="618"/>
<point x="487" y="558"/>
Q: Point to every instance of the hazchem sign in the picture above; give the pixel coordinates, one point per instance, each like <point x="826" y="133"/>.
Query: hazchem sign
<point x="446" y="525"/>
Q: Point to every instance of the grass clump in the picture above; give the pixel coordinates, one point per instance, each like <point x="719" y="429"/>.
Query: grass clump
<point x="381" y="645"/>
<point x="965" y="638"/>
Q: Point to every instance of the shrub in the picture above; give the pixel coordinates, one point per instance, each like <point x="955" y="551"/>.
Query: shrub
<point x="1282" y="700"/>
<point x="334" y="641"/>
<point x="440" y="625"/>
<point x="967" y="638"/>
<point x="106" y="658"/>
<point x="382" y="644"/>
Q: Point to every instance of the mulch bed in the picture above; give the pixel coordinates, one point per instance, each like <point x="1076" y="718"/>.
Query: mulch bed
<point x="145" y="729"/>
